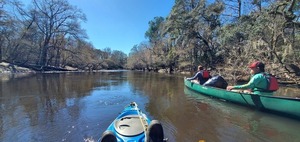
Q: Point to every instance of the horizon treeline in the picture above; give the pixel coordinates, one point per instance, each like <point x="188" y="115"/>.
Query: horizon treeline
<point x="219" y="33"/>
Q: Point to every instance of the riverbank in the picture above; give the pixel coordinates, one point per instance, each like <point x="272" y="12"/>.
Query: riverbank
<point x="8" y="70"/>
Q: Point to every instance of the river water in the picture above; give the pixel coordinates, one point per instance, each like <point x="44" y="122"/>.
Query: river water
<point x="78" y="107"/>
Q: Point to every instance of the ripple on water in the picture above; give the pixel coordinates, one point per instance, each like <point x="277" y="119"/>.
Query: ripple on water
<point x="112" y="100"/>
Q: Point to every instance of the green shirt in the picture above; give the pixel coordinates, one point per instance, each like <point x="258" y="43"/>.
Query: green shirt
<point x="258" y="83"/>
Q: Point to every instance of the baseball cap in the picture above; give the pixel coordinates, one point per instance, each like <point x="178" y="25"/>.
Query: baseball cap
<point x="257" y="64"/>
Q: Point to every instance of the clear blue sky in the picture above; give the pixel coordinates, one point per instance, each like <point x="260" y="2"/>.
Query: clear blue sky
<point x="120" y="24"/>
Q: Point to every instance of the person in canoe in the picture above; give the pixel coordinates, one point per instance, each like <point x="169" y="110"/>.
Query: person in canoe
<point x="201" y="76"/>
<point x="260" y="83"/>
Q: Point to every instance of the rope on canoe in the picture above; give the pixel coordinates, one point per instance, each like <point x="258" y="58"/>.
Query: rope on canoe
<point x="143" y="121"/>
<point x="244" y="98"/>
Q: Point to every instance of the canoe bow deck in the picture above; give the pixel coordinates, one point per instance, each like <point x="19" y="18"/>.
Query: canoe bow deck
<point x="134" y="126"/>
<point x="278" y="105"/>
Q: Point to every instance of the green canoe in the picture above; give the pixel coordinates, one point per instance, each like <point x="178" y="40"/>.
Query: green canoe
<point x="279" y="105"/>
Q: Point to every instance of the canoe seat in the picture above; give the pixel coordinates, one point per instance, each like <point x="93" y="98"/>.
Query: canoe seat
<point x="129" y="125"/>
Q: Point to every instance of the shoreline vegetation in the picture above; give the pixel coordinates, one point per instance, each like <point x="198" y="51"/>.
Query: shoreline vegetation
<point x="8" y="69"/>
<point x="223" y="36"/>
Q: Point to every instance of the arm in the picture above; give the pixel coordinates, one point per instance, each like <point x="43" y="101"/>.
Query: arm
<point x="192" y="78"/>
<point x="249" y="85"/>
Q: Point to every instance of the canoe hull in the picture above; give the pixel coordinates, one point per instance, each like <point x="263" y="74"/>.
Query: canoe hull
<point x="280" y="105"/>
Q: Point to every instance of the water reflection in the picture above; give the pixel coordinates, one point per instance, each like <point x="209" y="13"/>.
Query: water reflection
<point x="251" y="124"/>
<point x="288" y="92"/>
<point x="80" y="106"/>
<point x="31" y="105"/>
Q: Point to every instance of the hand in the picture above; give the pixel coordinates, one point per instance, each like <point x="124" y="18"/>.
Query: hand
<point x="229" y="88"/>
<point x="247" y="91"/>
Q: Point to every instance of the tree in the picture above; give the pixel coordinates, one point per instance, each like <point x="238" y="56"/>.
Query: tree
<point x="55" y="17"/>
<point x="268" y="35"/>
<point x="191" y="27"/>
<point x="154" y="31"/>
<point x="9" y="28"/>
<point x="119" y="58"/>
<point x="140" y="57"/>
<point x="234" y="7"/>
<point x="3" y="22"/>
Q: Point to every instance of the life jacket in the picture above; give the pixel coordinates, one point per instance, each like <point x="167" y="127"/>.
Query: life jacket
<point x="205" y="74"/>
<point x="272" y="82"/>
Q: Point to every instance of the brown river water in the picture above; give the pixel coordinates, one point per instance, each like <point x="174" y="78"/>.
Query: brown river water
<point x="78" y="107"/>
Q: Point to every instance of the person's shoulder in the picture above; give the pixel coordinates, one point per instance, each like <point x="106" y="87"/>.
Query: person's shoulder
<point x="260" y="75"/>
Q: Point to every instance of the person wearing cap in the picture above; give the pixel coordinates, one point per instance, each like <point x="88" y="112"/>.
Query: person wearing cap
<point x="258" y="82"/>
<point x="202" y="75"/>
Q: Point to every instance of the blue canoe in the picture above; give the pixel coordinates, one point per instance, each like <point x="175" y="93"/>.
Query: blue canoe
<point x="133" y="126"/>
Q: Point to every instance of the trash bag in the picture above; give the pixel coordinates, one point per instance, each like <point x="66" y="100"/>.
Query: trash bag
<point x="216" y="81"/>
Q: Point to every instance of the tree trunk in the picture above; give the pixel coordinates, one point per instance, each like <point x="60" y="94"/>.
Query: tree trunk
<point x="0" y="54"/>
<point x="240" y="8"/>
<point x="43" y="57"/>
<point x="57" y="58"/>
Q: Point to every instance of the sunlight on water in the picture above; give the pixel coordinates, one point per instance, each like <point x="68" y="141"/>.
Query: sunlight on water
<point x="89" y="140"/>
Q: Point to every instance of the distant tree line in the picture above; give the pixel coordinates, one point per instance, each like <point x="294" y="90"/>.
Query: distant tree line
<point x="223" y="33"/>
<point x="49" y="33"/>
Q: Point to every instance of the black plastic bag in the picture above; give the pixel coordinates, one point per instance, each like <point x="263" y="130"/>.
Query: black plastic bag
<point x="216" y="81"/>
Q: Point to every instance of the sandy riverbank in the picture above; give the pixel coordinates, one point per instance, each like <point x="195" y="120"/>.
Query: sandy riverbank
<point x="7" y="68"/>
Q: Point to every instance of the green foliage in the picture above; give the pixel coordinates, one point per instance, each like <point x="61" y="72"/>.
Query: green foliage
<point x="154" y="31"/>
<point x="202" y="32"/>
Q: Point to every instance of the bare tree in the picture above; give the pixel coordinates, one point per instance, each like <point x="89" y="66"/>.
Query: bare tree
<point x="55" y="17"/>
